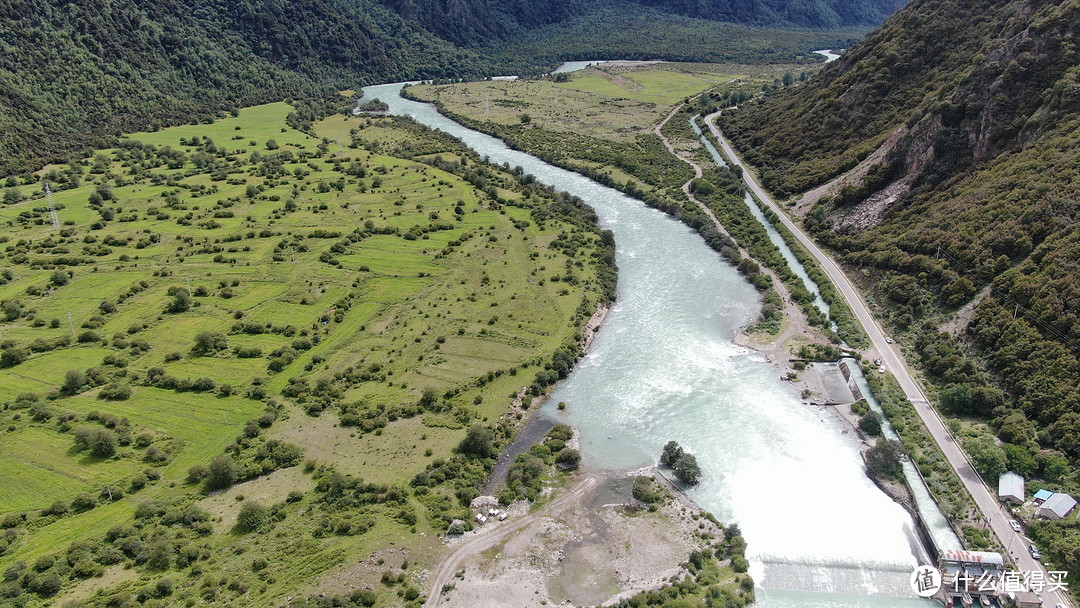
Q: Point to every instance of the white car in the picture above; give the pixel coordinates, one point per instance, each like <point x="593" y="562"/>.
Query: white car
<point x="1015" y="525"/>
<point x="888" y="339"/>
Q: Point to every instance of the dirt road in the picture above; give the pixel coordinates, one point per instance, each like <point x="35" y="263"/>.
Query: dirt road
<point x="497" y="533"/>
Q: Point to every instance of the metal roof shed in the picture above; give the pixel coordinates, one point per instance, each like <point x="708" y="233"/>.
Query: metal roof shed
<point x="1011" y="488"/>
<point x="1057" y="506"/>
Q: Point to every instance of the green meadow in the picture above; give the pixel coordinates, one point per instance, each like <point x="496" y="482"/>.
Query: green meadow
<point x="328" y="310"/>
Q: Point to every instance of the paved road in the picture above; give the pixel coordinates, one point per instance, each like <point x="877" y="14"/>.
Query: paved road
<point x="496" y="532"/>
<point x="985" y="499"/>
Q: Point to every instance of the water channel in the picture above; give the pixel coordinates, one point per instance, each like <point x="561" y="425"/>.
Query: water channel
<point x="774" y="236"/>
<point x="664" y="366"/>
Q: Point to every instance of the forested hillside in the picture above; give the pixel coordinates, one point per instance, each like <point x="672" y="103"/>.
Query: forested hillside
<point x="71" y="72"/>
<point x="972" y="203"/>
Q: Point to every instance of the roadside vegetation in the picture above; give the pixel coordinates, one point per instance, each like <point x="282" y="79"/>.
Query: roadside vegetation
<point x="973" y="266"/>
<point x="226" y="368"/>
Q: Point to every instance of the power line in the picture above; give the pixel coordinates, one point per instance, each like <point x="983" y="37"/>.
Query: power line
<point x="1029" y="315"/>
<point x="52" y="208"/>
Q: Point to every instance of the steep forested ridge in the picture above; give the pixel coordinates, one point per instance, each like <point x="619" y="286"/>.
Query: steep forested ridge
<point x="979" y="103"/>
<point x="71" y="72"/>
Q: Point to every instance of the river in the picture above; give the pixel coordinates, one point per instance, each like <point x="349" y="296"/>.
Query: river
<point x="664" y="367"/>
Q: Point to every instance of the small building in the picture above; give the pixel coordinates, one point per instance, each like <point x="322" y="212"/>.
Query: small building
<point x="1011" y="488"/>
<point x="1042" y="495"/>
<point x="1057" y="506"/>
<point x="969" y="576"/>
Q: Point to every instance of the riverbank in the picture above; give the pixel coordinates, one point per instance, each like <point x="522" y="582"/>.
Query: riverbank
<point x="596" y="546"/>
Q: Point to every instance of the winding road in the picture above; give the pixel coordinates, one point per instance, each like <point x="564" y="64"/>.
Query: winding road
<point x="985" y="499"/>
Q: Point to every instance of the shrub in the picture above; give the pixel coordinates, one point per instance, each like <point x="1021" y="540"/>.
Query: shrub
<point x="870" y="423"/>
<point x="478" y="442"/>
<point x="115" y="391"/>
<point x="13" y="356"/>
<point x="209" y="342"/>
<point x="686" y="469"/>
<point x="569" y="458"/>
<point x="98" y="441"/>
<point x="221" y="473"/>
<point x="251" y="517"/>
<point x="47" y="585"/>
<point x="83" y="502"/>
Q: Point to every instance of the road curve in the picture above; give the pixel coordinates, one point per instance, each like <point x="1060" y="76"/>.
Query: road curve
<point x="479" y="542"/>
<point x="985" y="499"/>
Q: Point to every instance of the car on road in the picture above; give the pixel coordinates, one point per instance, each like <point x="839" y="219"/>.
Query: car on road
<point x="1035" y="552"/>
<point x="1015" y="525"/>
<point x="888" y="339"/>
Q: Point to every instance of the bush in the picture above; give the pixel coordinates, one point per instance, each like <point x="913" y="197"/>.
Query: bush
<point x="83" y="502"/>
<point x="221" y="473"/>
<point x="478" y="442"/>
<point x="686" y="469"/>
<point x="115" y="391"/>
<point x="98" y="441"/>
<point x="47" y="585"/>
<point x="13" y="356"/>
<point x="74" y="381"/>
<point x="251" y="517"/>
<point x="569" y="458"/>
<point x="208" y="342"/>
<point x="883" y="460"/>
<point x="870" y="423"/>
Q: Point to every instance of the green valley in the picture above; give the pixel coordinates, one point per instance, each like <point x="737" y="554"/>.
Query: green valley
<point x="306" y="321"/>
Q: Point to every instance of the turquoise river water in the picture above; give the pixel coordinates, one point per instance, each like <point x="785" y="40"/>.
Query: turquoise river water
<point x="664" y="367"/>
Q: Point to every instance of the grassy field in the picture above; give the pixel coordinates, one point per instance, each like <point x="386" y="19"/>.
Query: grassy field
<point x="608" y="101"/>
<point x="241" y="287"/>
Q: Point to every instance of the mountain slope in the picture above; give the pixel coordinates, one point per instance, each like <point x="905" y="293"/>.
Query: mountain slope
<point x="972" y="109"/>
<point x="72" y="72"/>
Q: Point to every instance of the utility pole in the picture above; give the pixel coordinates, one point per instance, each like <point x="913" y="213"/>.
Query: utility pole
<point x="71" y="323"/>
<point x="52" y="208"/>
<point x="189" y="286"/>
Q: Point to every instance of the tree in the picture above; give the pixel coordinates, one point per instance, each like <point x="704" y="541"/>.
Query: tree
<point x="672" y="452"/>
<point x="569" y="458"/>
<point x="987" y="456"/>
<point x="870" y="423"/>
<point x="221" y="472"/>
<point x="209" y="342"/>
<point x="478" y="442"/>
<point x="181" y="301"/>
<point x="100" y="442"/>
<point x="74" y="381"/>
<point x="59" y="278"/>
<point x="251" y="517"/>
<point x="957" y="399"/>
<point x="883" y="460"/>
<point x="686" y="469"/>
<point x="1019" y="459"/>
<point x="12" y="196"/>
<point x="13" y="356"/>
<point x="12" y="309"/>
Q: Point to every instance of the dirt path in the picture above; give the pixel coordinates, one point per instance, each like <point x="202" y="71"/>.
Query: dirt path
<point x="486" y="539"/>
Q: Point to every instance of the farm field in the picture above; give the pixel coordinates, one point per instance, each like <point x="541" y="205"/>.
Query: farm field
<point x="222" y="370"/>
